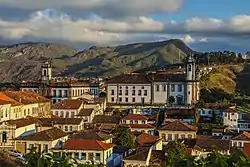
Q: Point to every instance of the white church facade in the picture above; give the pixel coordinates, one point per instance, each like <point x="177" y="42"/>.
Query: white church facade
<point x="155" y="88"/>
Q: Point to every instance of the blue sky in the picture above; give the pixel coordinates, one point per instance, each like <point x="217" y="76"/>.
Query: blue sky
<point x="205" y="25"/>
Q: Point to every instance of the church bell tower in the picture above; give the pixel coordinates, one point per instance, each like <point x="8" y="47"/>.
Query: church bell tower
<point x="190" y="79"/>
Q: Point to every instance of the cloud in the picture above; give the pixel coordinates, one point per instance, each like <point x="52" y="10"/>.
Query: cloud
<point x="50" y="25"/>
<point x="103" y="7"/>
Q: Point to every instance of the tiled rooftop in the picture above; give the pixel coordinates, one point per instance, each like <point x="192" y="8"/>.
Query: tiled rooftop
<point x="71" y="104"/>
<point x="178" y="126"/>
<point x="135" y="117"/>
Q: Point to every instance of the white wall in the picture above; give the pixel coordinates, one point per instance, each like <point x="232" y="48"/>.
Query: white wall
<point x="230" y="119"/>
<point x="160" y="96"/>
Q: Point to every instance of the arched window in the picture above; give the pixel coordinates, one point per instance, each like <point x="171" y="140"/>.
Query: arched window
<point x="189" y="67"/>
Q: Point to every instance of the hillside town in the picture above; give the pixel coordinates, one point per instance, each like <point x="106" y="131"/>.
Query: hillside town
<point x="124" y="121"/>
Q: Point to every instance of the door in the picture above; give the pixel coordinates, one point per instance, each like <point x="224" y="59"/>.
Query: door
<point x="179" y="99"/>
<point x="4" y="137"/>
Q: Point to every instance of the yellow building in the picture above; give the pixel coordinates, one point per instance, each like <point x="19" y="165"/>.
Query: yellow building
<point x="25" y="103"/>
<point x="87" y="150"/>
<point x="172" y="131"/>
<point x="44" y="140"/>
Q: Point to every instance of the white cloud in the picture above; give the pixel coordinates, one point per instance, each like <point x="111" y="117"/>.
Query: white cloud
<point x="126" y="6"/>
<point x="188" y="39"/>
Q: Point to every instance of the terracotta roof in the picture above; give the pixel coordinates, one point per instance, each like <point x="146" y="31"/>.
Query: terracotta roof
<point x="167" y="77"/>
<point x="107" y="128"/>
<point x="86" y="144"/>
<point x="26" y="97"/>
<point x="71" y="104"/>
<point x="244" y="136"/>
<point x="178" y="126"/>
<point x="21" y="122"/>
<point x="231" y="109"/>
<point x="180" y="111"/>
<point x="247" y="149"/>
<point x="59" y="121"/>
<point x="106" y="119"/>
<point x="135" y="117"/>
<point x="3" y="102"/>
<point x="85" y="112"/>
<point x="92" y="135"/>
<point x="211" y="144"/>
<point x="46" y="135"/>
<point x="9" y="99"/>
<point x="147" y="139"/>
<point x="138" y="156"/>
<point x="133" y="78"/>
<point x="139" y="126"/>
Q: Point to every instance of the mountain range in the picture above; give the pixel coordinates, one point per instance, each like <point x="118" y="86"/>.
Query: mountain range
<point x="23" y="61"/>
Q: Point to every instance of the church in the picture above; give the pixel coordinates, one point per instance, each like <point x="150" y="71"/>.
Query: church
<point x="155" y="88"/>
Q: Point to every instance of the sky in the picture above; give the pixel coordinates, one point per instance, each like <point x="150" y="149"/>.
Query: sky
<point x="204" y="25"/>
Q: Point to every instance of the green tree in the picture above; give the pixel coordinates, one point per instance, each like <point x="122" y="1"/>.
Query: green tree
<point x="123" y="137"/>
<point x="171" y="100"/>
<point x="175" y="153"/>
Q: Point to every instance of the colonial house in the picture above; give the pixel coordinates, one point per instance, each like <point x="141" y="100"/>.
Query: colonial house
<point x="15" y="128"/>
<point x="59" y="89"/>
<point x="25" y="103"/>
<point x="43" y="141"/>
<point x="138" y="123"/>
<point x="147" y="140"/>
<point x="240" y="140"/>
<point x="5" y="110"/>
<point x="185" y="114"/>
<point x="172" y="131"/>
<point x="155" y="88"/>
<point x="87" y="114"/>
<point x="67" y="125"/>
<point x="144" y="158"/>
<point x="67" y="108"/>
<point x="93" y="135"/>
<point x="88" y="151"/>
<point x="204" y="145"/>
<point x="230" y="117"/>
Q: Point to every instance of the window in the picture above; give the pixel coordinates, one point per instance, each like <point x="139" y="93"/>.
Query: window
<point x="67" y="114"/>
<point x="189" y="92"/>
<point x="91" y="156"/>
<point x="203" y="112"/>
<point x="24" y="112"/>
<point x="133" y="99"/>
<point x="124" y="121"/>
<point x="76" y="155"/>
<point x="136" y="122"/>
<point x="142" y="87"/>
<point x="120" y="92"/>
<point x="70" y="128"/>
<point x="83" y="156"/>
<point x="163" y="136"/>
<point x="190" y="136"/>
<point x="45" y="147"/>
<point x="6" y="113"/>
<point x="179" y="88"/>
<point x="126" y="99"/>
<point x="190" y="67"/>
<point x="225" y="114"/>
<point x="28" y="112"/>
<point x="235" y="144"/>
<point x="142" y="100"/>
<point x="61" y="115"/>
<point x="209" y="112"/>
<point x="170" y="137"/>
<point x="176" y="136"/>
<point x="72" y="114"/>
<point x="65" y="93"/>
<point x="157" y="88"/>
<point x="31" y="146"/>
<point x="97" y="156"/>
<point x="60" y="93"/>
<point x="38" y="147"/>
<point x="145" y="92"/>
<point x="126" y="87"/>
<point x="66" y="128"/>
<point x="112" y="92"/>
<point x="133" y="92"/>
<point x="232" y="113"/>
<point x="172" y="88"/>
<point x="183" y="136"/>
<point x="131" y="121"/>
<point x="139" y="92"/>
<point x="143" y="122"/>
<point x="120" y="99"/>
<point x="133" y="87"/>
<point x="112" y="99"/>
<point x="126" y="92"/>
<point x="164" y="88"/>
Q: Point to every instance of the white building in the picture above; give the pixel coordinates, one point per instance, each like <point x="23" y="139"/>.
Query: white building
<point x="58" y="90"/>
<point x="230" y="117"/>
<point x="155" y="88"/>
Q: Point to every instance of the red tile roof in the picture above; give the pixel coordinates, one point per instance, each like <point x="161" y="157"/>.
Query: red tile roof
<point x="178" y="126"/>
<point x="71" y="104"/>
<point x="244" y="136"/>
<point x="21" y="122"/>
<point x="46" y="135"/>
<point x="85" y="112"/>
<point x="87" y="144"/>
<point x="135" y="117"/>
<point x="26" y="97"/>
<point x="3" y="102"/>
<point x="9" y="99"/>
<point x="147" y="139"/>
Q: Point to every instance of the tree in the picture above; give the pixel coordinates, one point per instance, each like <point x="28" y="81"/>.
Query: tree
<point x="123" y="137"/>
<point x="175" y="153"/>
